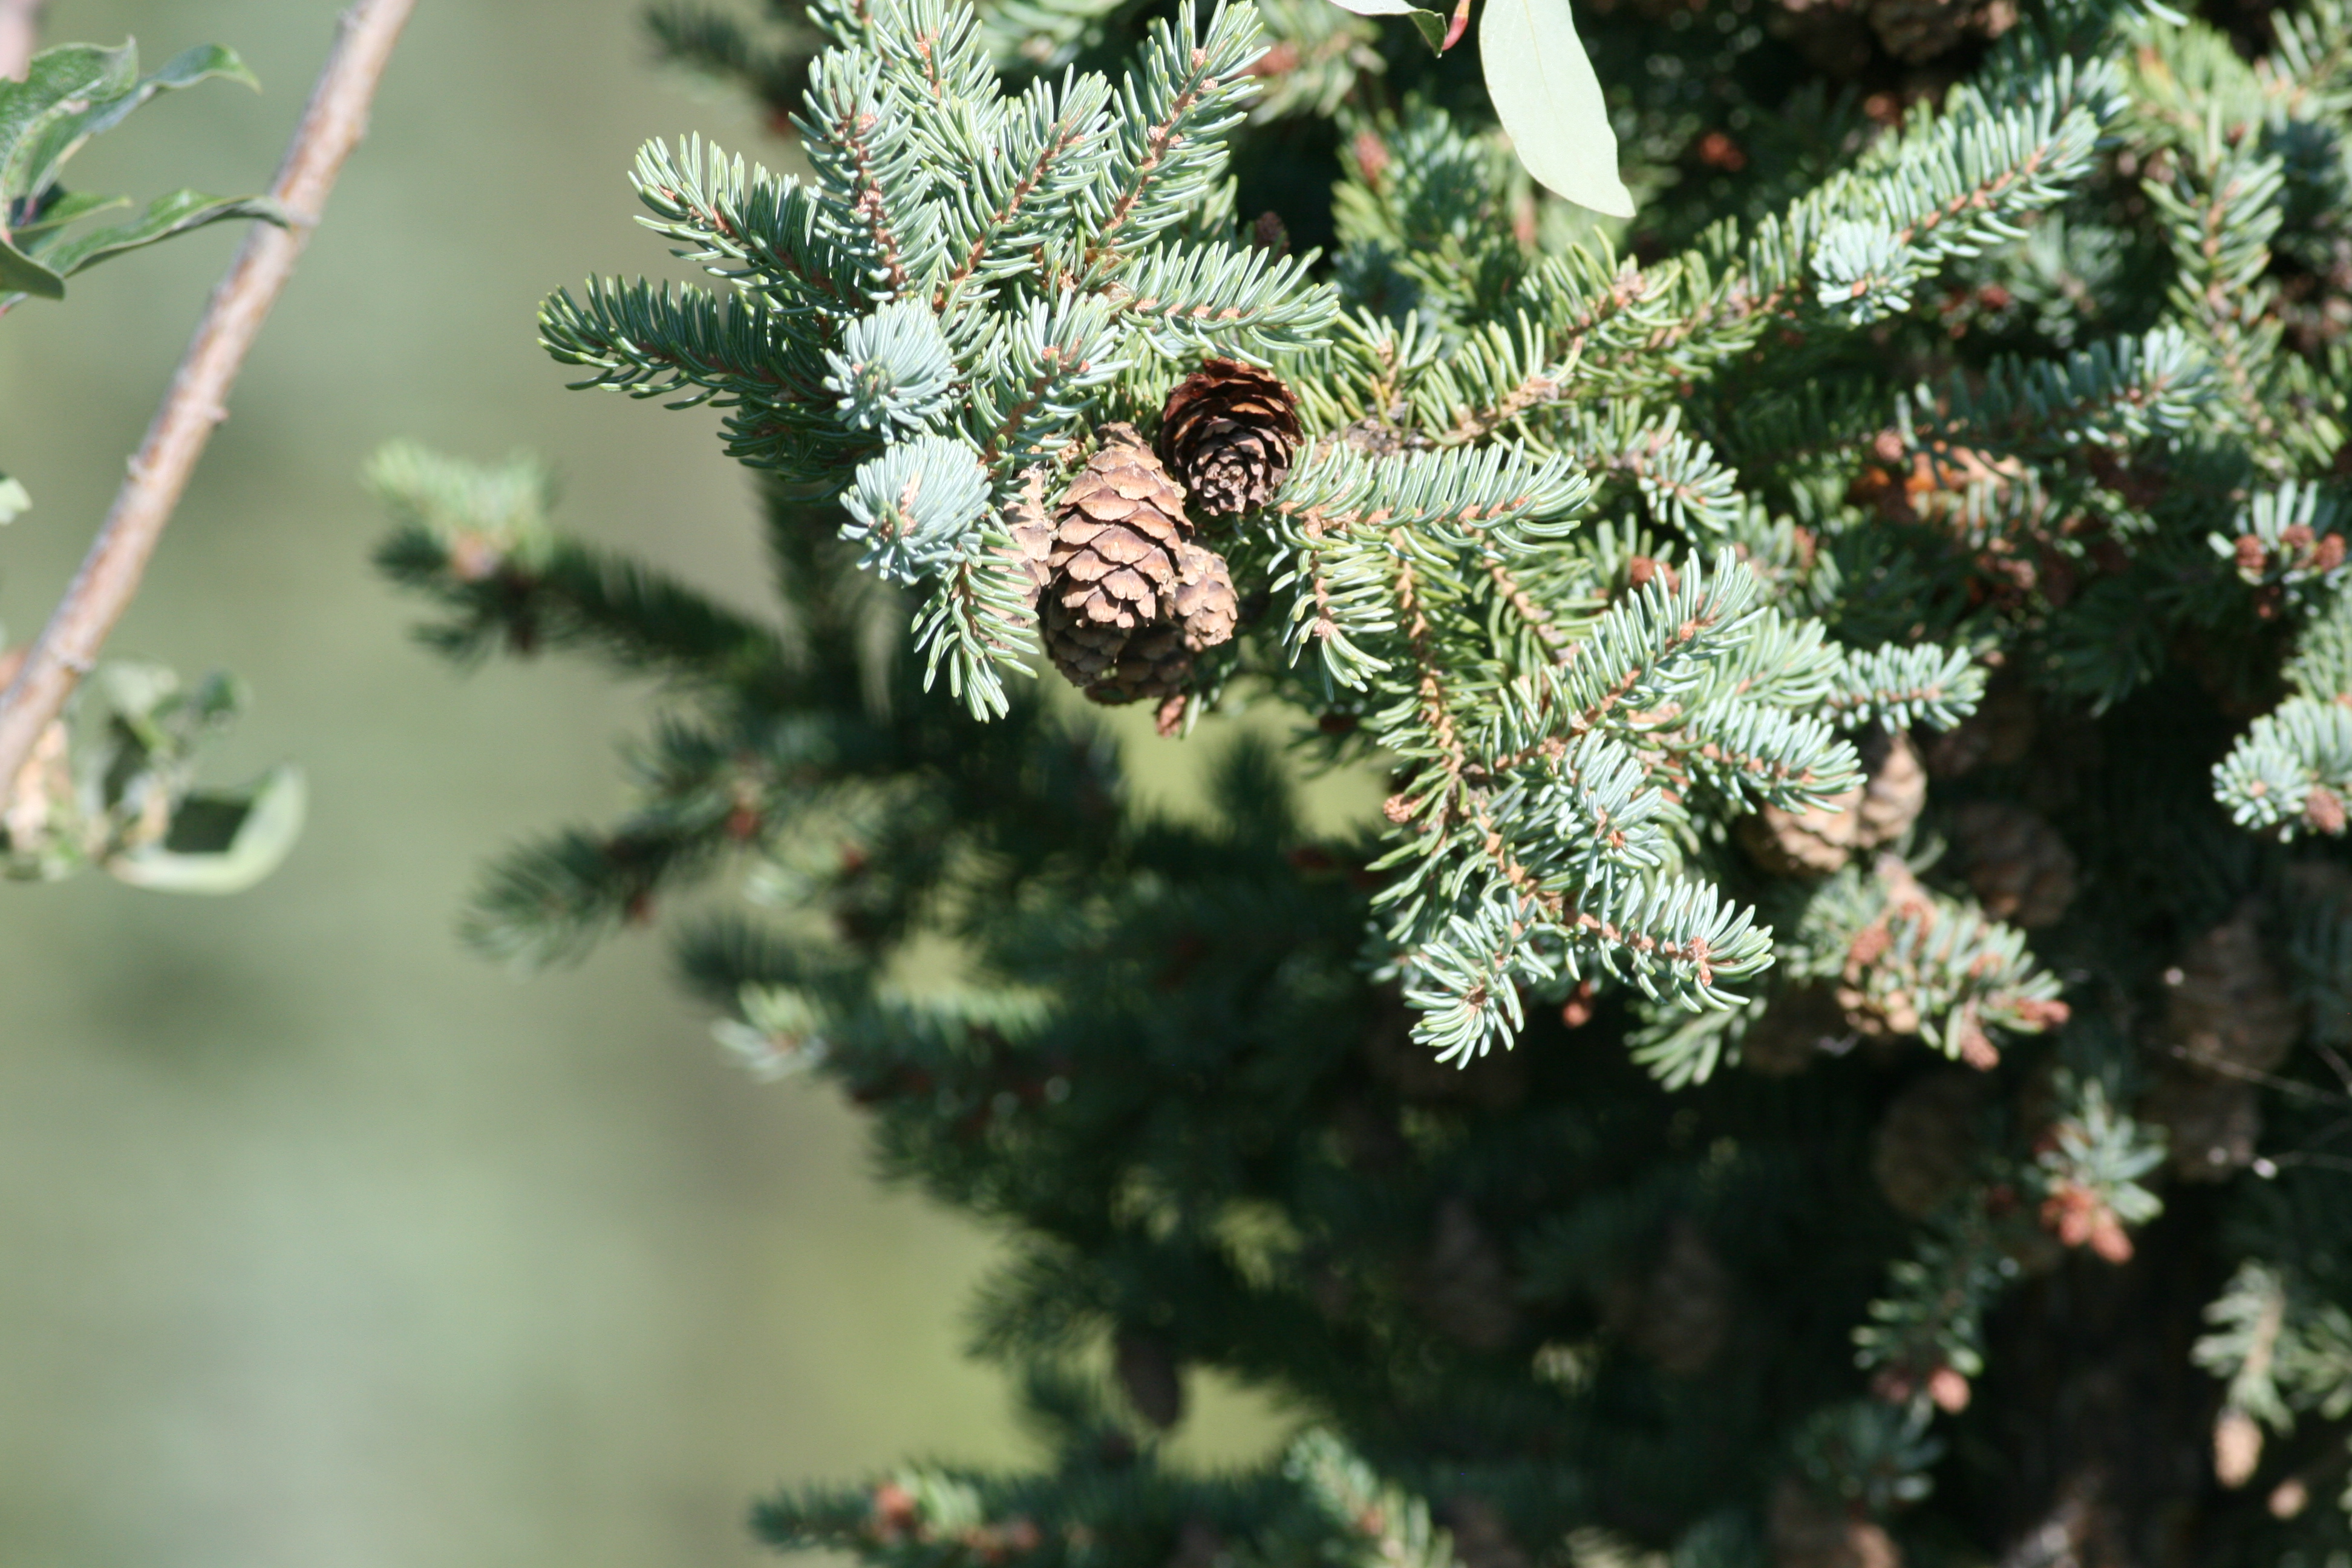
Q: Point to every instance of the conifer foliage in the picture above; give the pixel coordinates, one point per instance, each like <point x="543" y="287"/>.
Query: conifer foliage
<point x="1832" y="1049"/>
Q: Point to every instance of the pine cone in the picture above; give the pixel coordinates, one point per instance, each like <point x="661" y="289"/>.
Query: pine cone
<point x="1128" y="599"/>
<point x="2212" y="1124"/>
<point x="1897" y="790"/>
<point x="1819" y="840"/>
<point x="1228" y="433"/>
<point x="1919" y="30"/>
<point x="1928" y="1139"/>
<point x="1808" y="1531"/>
<point x="2229" y="1008"/>
<point x="1031" y="528"/>
<point x="2022" y="870"/>
<point x="1465" y="1289"/>
<point x="1149" y="1376"/>
<point x="1482" y="1536"/>
<point x="1998" y="732"/>
<point x="2237" y="1449"/>
<point x="1798" y="1027"/>
<point x="1679" y="1309"/>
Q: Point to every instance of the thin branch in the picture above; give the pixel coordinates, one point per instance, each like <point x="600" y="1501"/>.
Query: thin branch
<point x="20" y="30"/>
<point x="102" y="589"/>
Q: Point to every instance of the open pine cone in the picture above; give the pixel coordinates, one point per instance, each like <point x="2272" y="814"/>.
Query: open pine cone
<point x="1128" y="597"/>
<point x="1228" y="433"/>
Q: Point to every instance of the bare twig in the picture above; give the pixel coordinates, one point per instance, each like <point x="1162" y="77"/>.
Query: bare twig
<point x="20" y="29"/>
<point x="109" y="574"/>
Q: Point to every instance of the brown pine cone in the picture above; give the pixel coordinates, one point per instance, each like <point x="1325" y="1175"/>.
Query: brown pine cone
<point x="1128" y="598"/>
<point x="1149" y="1376"/>
<point x="1678" y="1309"/>
<point x="1998" y="732"/>
<point x="2228" y="1011"/>
<point x="1228" y="433"/>
<point x="1926" y="1141"/>
<point x="1808" y="1531"/>
<point x="1464" y="1286"/>
<point x="1818" y="841"/>
<point x="1031" y="528"/>
<point x="1800" y="1026"/>
<point x="2022" y="870"/>
<point x="2212" y="1124"/>
<point x="1919" y="30"/>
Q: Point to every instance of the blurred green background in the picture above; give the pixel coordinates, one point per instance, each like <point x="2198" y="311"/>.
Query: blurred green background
<point x="322" y="1242"/>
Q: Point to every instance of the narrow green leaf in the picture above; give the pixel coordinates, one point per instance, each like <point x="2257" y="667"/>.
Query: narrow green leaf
<point x="1549" y="102"/>
<point x="21" y="274"/>
<point x="186" y="68"/>
<point x="165" y="216"/>
<point x="63" y="208"/>
<point x="222" y="842"/>
<point x="60" y="87"/>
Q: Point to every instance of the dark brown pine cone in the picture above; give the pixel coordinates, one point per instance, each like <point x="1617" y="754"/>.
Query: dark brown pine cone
<point x="1916" y="30"/>
<point x="2227" y="1008"/>
<point x="2022" y="870"/>
<point x="1228" y="433"/>
<point x="1128" y="599"/>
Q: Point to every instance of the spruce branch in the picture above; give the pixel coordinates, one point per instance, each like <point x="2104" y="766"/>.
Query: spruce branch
<point x="110" y="575"/>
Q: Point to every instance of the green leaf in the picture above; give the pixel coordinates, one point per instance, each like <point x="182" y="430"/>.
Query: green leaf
<point x="62" y="209"/>
<point x="222" y="842"/>
<point x="14" y="500"/>
<point x="165" y="216"/>
<point x="1431" y="29"/>
<point x="186" y="68"/>
<point x="61" y="87"/>
<point x="1549" y="102"/>
<point x="21" y="274"/>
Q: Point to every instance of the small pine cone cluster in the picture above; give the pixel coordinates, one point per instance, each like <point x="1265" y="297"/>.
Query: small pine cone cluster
<point x="1819" y="840"/>
<point x="1127" y="598"/>
<point x="1228" y="433"/>
<point x="2020" y="869"/>
<point x="1927" y="1141"/>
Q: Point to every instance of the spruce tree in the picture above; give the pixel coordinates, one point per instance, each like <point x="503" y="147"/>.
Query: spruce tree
<point x="1833" y="1050"/>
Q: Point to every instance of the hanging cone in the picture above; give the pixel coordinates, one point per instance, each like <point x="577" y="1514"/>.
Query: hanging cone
<point x="1808" y="1531"/>
<point x="1817" y="841"/>
<point x="2212" y="1124"/>
<point x="1482" y="1536"/>
<point x="1149" y="1376"/>
<point x="2228" y="1011"/>
<point x="1799" y="1027"/>
<point x="1998" y="732"/>
<point x="1128" y="599"/>
<point x="2022" y="870"/>
<point x="1677" y="1310"/>
<point x="1030" y="526"/>
<point x="1228" y="433"/>
<point x="1926" y="1141"/>
<point x="1917" y="30"/>
<point x="1897" y="790"/>
<point x="2237" y="1449"/>
<point x="1465" y="1287"/>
